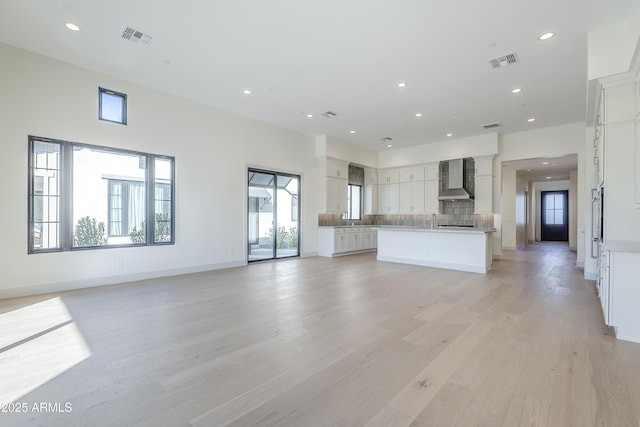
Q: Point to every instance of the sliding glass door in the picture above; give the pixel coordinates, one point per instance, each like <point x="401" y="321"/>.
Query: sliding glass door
<point x="273" y="215"/>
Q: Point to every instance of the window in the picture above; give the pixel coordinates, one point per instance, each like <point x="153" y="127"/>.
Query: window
<point x="126" y="206"/>
<point x="554" y="209"/>
<point x="112" y="106"/>
<point x="354" y="202"/>
<point x="44" y="195"/>
<point x="84" y="196"/>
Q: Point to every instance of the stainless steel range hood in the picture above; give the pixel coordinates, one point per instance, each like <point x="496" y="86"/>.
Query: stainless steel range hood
<point x="455" y="188"/>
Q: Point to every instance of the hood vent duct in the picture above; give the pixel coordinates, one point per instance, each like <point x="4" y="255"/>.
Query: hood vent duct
<point x="455" y="186"/>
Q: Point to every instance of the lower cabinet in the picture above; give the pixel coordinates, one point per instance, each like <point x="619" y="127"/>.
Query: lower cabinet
<point x="603" y="284"/>
<point x="335" y="241"/>
<point x="618" y="288"/>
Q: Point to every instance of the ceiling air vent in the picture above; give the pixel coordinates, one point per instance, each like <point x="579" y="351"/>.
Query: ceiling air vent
<point x="503" y="61"/>
<point x="328" y="114"/>
<point x="492" y="125"/>
<point x="136" y="36"/>
<point x="387" y="139"/>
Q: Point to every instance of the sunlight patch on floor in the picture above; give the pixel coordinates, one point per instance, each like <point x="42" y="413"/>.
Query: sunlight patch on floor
<point x="38" y="343"/>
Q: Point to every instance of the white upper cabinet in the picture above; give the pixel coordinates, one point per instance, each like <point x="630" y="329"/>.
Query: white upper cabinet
<point x="337" y="169"/>
<point x="388" y="176"/>
<point x="336" y="195"/>
<point x="620" y="104"/>
<point x="412" y="197"/>
<point x="431" y="188"/>
<point x="411" y="174"/>
<point x="388" y="198"/>
<point x="483" y="202"/>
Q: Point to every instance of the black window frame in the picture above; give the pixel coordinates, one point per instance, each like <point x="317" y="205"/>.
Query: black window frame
<point x="120" y="95"/>
<point x="65" y="197"/>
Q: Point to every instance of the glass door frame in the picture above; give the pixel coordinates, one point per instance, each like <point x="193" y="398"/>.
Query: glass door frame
<point x="274" y="187"/>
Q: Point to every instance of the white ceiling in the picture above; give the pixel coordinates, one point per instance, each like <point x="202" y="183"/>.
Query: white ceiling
<point x="545" y="168"/>
<point x="302" y="57"/>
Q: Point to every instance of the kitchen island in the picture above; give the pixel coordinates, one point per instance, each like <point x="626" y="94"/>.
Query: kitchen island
<point x="454" y="248"/>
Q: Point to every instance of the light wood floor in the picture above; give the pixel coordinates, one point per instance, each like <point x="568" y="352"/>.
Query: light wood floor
<point x="325" y="342"/>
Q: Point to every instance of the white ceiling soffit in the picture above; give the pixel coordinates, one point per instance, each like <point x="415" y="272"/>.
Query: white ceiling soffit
<point x="334" y="55"/>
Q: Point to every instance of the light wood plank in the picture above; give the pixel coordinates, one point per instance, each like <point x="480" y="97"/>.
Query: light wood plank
<point x="320" y="341"/>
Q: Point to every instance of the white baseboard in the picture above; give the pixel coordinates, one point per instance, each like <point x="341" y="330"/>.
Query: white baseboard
<point x="580" y="264"/>
<point x="309" y="254"/>
<point x="497" y="257"/>
<point x="508" y="248"/>
<point x="111" y="280"/>
<point x="590" y="275"/>
<point x="435" y="264"/>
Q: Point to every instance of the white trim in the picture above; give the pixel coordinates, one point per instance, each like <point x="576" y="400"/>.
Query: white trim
<point x="113" y="280"/>
<point x="445" y="265"/>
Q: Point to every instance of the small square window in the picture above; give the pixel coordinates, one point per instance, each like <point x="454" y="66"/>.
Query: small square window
<point x="112" y="106"/>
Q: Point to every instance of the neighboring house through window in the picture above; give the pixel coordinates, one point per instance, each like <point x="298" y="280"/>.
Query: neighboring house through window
<point x="84" y="195"/>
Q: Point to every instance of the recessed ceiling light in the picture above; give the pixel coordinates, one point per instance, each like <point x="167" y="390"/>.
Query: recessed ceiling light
<point x="548" y="177"/>
<point x="71" y="26"/>
<point x="309" y="116"/>
<point x="517" y="90"/>
<point x="402" y="84"/>
<point x="389" y="145"/>
<point x="247" y="91"/>
<point x="553" y="164"/>
<point x="418" y="114"/>
<point x="352" y="131"/>
<point x="449" y="134"/>
<point x="532" y="119"/>
<point x="546" y="36"/>
<point x="545" y="163"/>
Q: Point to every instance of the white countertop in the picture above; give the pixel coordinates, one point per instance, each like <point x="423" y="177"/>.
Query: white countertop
<point x="438" y="230"/>
<point x="622" y="245"/>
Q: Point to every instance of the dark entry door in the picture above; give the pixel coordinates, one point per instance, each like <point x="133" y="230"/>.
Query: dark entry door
<point x="555" y="216"/>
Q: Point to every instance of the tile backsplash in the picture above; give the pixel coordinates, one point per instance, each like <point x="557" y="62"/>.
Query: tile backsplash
<point x="463" y="217"/>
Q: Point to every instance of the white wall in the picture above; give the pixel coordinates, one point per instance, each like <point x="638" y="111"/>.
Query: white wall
<point x="545" y="142"/>
<point x="338" y="149"/>
<point x="514" y="213"/>
<point x="508" y="209"/>
<point x="476" y="146"/>
<point x="611" y="50"/>
<point x="212" y="148"/>
<point x="573" y="210"/>
<point x="521" y="214"/>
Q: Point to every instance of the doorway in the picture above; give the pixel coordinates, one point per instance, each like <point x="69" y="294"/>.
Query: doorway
<point x="273" y="215"/>
<point x="555" y="216"/>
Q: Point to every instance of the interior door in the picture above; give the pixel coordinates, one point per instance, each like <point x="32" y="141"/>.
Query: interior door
<point x="555" y="216"/>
